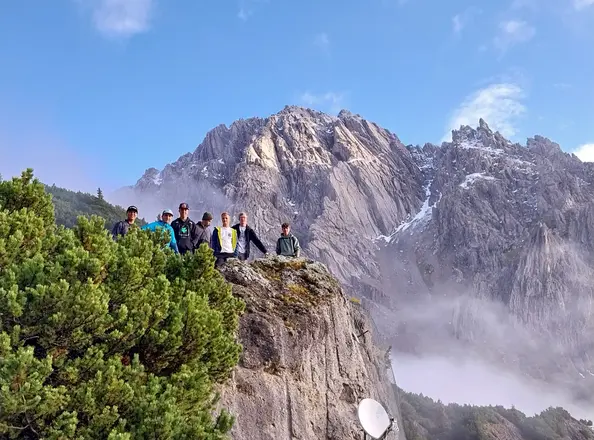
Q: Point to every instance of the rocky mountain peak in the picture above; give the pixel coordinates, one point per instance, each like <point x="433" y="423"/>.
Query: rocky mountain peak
<point x="483" y="125"/>
<point x="151" y="177"/>
<point x="493" y="218"/>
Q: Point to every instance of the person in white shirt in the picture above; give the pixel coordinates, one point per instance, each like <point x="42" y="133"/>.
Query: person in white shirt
<point x="224" y="241"/>
<point x="245" y="235"/>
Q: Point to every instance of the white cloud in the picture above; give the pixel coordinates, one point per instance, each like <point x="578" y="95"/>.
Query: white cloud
<point x="123" y="17"/>
<point x="512" y="32"/>
<point x="461" y="20"/>
<point x="329" y="101"/>
<point x="322" y="40"/>
<point x="457" y="23"/>
<point x="243" y="14"/>
<point x="498" y="104"/>
<point x="581" y="4"/>
<point x="585" y="152"/>
<point x="246" y="8"/>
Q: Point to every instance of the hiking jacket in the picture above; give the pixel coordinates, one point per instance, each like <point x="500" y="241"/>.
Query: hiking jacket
<point x="120" y="228"/>
<point x="288" y="245"/>
<point x="186" y="234"/>
<point x="250" y="235"/>
<point x="203" y="235"/>
<point x="215" y="242"/>
<point x="163" y="226"/>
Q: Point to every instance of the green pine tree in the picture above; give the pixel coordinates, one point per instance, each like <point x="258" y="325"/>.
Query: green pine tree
<point x="103" y="339"/>
<point x="99" y="194"/>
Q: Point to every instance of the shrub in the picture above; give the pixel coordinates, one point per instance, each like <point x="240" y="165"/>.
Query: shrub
<point x="107" y="339"/>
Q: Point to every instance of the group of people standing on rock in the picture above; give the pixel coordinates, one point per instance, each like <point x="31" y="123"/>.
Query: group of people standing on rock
<point x="226" y="241"/>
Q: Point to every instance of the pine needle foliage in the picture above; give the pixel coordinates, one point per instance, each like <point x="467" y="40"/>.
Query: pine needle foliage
<point x="104" y="339"/>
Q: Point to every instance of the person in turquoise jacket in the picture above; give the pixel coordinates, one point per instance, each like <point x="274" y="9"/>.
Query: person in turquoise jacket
<point x="164" y="223"/>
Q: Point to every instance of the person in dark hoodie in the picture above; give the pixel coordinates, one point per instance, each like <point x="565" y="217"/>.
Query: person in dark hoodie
<point x="185" y="230"/>
<point x="245" y="235"/>
<point x="204" y="231"/>
<point x="287" y="244"/>
<point x="122" y="227"/>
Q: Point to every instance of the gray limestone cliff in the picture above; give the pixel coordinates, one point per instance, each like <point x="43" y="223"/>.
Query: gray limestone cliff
<point x="308" y="356"/>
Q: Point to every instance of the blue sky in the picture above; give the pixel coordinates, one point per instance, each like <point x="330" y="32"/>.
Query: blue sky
<point x="93" y="92"/>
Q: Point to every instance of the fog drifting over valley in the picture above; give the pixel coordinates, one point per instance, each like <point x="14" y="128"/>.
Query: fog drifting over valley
<point x="471" y="381"/>
<point x="465" y="350"/>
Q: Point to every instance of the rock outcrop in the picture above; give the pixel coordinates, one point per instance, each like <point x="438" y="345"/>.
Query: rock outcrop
<point x="308" y="356"/>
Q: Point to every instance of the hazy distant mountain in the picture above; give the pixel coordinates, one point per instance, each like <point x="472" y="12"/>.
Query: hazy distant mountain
<point x="445" y="240"/>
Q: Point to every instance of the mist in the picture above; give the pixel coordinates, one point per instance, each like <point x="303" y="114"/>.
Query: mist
<point x="452" y="345"/>
<point x="201" y="196"/>
<point x="472" y="381"/>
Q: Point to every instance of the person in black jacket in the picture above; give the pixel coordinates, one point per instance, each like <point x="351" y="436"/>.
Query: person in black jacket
<point x="185" y="230"/>
<point x="245" y="235"/>
<point x="122" y="227"/>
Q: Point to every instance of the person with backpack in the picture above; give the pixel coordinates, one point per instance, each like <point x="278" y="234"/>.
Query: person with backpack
<point x="164" y="225"/>
<point x="186" y="234"/>
<point x="224" y="241"/>
<point x="287" y="244"/>
<point x="245" y="235"/>
<point x="204" y="233"/>
<point x="122" y="227"/>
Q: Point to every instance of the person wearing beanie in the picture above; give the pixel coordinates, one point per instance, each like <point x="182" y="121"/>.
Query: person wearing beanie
<point x="203" y="231"/>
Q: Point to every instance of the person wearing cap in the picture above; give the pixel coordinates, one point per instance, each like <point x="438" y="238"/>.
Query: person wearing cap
<point x="122" y="227"/>
<point x="224" y="241"/>
<point x="186" y="233"/>
<point x="203" y="231"/>
<point x="246" y="235"/>
<point x="164" y="224"/>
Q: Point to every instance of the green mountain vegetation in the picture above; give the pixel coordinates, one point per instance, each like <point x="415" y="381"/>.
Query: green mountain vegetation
<point x="426" y="419"/>
<point x="104" y="339"/>
<point x="68" y="205"/>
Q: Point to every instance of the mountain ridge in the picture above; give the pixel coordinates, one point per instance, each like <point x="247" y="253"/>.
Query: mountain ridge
<point x="399" y="223"/>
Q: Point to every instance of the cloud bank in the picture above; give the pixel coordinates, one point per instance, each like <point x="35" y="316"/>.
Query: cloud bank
<point x="123" y="18"/>
<point x="500" y="105"/>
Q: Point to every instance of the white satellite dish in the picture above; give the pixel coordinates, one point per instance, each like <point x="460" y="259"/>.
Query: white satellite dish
<point x="374" y="419"/>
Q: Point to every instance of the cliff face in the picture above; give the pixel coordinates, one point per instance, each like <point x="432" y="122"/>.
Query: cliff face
<point x="308" y="355"/>
<point x="508" y="222"/>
